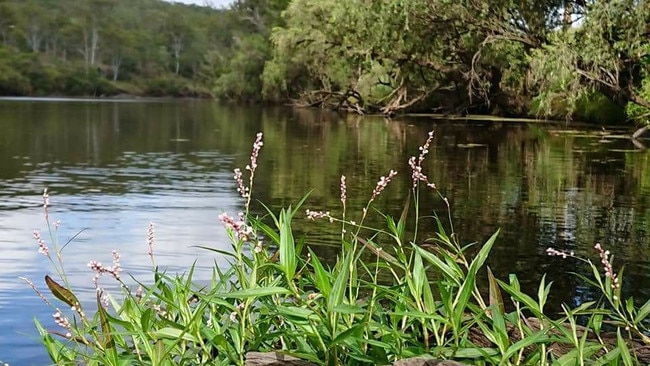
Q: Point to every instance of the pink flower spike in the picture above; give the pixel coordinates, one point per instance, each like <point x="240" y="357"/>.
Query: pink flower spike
<point x="42" y="247"/>
<point x="243" y="231"/>
<point x="416" y="164"/>
<point x="607" y="266"/>
<point x="46" y="199"/>
<point x="313" y="215"/>
<point x="151" y="239"/>
<point x="343" y="190"/>
<point x="62" y="321"/>
<point x="99" y="269"/>
<point x="241" y="189"/>
<point x="559" y="253"/>
<point x="257" y="145"/>
<point x="382" y="184"/>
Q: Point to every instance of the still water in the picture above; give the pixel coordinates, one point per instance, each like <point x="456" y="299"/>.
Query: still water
<point x="112" y="167"/>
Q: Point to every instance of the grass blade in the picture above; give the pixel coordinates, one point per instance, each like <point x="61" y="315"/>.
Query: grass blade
<point x="340" y="284"/>
<point x="287" y="246"/>
<point x="254" y="292"/>
<point x="321" y="276"/>
<point x="496" y="298"/>
<point x="449" y="273"/>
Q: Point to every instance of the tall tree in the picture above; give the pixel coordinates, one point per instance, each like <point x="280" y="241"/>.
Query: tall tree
<point x="608" y="52"/>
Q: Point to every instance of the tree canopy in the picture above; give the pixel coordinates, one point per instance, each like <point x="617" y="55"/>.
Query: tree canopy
<point x="503" y="57"/>
<point x="559" y="58"/>
<point x="102" y="47"/>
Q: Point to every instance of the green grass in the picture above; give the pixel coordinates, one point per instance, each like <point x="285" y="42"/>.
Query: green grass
<point x="409" y="300"/>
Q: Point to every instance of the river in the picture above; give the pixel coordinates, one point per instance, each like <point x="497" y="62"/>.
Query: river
<point x="112" y="167"/>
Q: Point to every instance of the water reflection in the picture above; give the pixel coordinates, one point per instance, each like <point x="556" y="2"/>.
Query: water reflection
<point x="114" y="167"/>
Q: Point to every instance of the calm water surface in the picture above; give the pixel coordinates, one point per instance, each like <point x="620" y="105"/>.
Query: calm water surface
<point x="113" y="167"/>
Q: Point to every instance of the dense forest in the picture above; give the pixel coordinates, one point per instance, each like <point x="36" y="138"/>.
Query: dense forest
<point x="586" y="59"/>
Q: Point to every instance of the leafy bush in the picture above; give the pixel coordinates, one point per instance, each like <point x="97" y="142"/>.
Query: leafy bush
<point x="79" y="81"/>
<point x="12" y="81"/>
<point x="639" y="113"/>
<point x="164" y="87"/>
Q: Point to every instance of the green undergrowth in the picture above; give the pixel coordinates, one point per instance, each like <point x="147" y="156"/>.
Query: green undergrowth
<point x="276" y="294"/>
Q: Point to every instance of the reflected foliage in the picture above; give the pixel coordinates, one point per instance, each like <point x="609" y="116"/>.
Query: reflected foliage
<point x="542" y="186"/>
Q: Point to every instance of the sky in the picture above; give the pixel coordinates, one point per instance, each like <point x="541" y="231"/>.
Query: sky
<point x="215" y="3"/>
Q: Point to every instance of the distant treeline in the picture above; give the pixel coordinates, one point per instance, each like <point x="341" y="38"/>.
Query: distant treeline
<point x="558" y="58"/>
<point x="108" y="47"/>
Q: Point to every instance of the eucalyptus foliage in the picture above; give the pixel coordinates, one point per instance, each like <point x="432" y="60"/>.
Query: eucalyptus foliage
<point x="503" y="57"/>
<point x="606" y="51"/>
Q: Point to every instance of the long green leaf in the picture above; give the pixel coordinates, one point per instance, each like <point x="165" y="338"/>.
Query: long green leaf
<point x="379" y="252"/>
<point x="470" y="352"/>
<point x="438" y="264"/>
<point x="355" y="332"/>
<point x="642" y="313"/>
<point x="625" y="352"/>
<point x="518" y="295"/>
<point x="61" y="292"/>
<point x="254" y="292"/>
<point x="609" y="358"/>
<point x="466" y="288"/>
<point x="401" y="224"/>
<point x="338" y="290"/>
<point x="173" y="333"/>
<point x="299" y="204"/>
<point x="349" y="309"/>
<point x="225" y="253"/>
<point x="419" y="276"/>
<point x="321" y="277"/>
<point x="528" y="340"/>
<point x="287" y="247"/>
<point x="496" y="298"/>
<point x="108" y="342"/>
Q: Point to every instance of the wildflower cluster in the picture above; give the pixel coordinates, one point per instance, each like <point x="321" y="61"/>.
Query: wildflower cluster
<point x="234" y="314"/>
<point x="38" y="292"/>
<point x="99" y="269"/>
<point x="42" y="247"/>
<point x="62" y="321"/>
<point x="151" y="239"/>
<point x="257" y="145"/>
<point x="559" y="253"/>
<point x="243" y="231"/>
<point x="607" y="265"/>
<point x="241" y="189"/>
<point x="381" y="184"/>
<point x="344" y="190"/>
<point x="258" y="247"/>
<point x="313" y="215"/>
<point x="416" y="164"/>
<point x="46" y="203"/>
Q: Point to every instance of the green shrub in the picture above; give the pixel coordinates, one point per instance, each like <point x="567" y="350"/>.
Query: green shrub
<point x="12" y="81"/>
<point x="637" y="113"/>
<point x="164" y="87"/>
<point x="81" y="82"/>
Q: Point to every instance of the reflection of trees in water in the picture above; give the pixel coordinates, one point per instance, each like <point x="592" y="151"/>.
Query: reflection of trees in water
<point x="536" y="187"/>
<point x="542" y="189"/>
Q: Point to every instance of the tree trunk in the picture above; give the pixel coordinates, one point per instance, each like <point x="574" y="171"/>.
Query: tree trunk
<point x="568" y="14"/>
<point x="85" y="51"/>
<point x="93" y="47"/>
<point x="177" y="46"/>
<point x="34" y="37"/>
<point x="640" y="132"/>
<point x="117" y="61"/>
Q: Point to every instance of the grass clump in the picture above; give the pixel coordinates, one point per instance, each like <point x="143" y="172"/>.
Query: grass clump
<point x="415" y="297"/>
